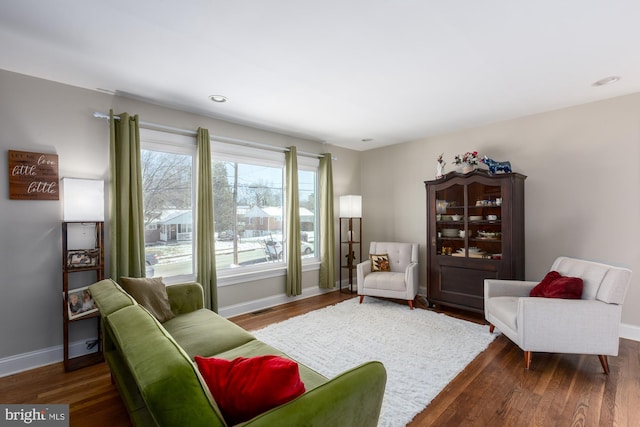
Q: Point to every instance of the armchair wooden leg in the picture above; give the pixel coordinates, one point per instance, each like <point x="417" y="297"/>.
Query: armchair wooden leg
<point x="411" y="304"/>
<point x="527" y="359"/>
<point x="491" y="328"/>
<point x="604" y="362"/>
<point x="361" y="298"/>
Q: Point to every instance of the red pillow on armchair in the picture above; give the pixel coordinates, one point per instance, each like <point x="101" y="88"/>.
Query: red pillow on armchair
<point x="555" y="285"/>
<point x="245" y="387"/>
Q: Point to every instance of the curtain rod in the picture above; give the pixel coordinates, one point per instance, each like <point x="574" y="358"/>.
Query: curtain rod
<point x="179" y="131"/>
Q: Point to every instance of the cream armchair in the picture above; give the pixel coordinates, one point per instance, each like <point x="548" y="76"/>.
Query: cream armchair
<point x="401" y="282"/>
<point x="589" y="325"/>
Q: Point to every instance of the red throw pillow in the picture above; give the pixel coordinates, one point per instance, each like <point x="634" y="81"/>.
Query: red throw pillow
<point x="554" y="285"/>
<point x="538" y="291"/>
<point x="245" y="387"/>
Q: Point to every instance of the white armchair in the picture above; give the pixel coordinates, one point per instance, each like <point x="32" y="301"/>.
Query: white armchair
<point x="589" y="325"/>
<point x="401" y="282"/>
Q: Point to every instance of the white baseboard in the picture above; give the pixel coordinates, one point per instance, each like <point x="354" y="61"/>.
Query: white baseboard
<point x="46" y="356"/>
<point x="630" y="332"/>
<point x="272" y="301"/>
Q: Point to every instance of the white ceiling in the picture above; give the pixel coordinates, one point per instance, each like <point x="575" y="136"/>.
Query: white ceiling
<point x="334" y="70"/>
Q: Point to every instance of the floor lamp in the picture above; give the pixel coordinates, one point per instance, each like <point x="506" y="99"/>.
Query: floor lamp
<point x="350" y="209"/>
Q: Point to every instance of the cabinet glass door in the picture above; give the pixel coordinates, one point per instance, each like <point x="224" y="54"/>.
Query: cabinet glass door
<point x="450" y="221"/>
<point x="484" y="221"/>
<point x="469" y="221"/>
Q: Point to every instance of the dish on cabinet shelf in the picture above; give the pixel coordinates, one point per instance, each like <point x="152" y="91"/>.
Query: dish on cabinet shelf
<point x="472" y="249"/>
<point x="472" y="254"/>
<point x="488" y="235"/>
<point x="450" y="232"/>
<point x="475" y="218"/>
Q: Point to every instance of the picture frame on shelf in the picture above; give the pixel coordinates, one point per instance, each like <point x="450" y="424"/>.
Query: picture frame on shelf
<point x="82" y="258"/>
<point x="79" y="303"/>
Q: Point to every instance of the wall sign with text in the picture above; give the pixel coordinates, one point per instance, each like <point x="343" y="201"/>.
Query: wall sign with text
<point x="33" y="176"/>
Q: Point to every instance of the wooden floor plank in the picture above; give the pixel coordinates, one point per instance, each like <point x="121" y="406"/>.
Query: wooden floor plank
<point x="493" y="390"/>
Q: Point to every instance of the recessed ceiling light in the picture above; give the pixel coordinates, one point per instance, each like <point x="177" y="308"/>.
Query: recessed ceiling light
<point x="218" y="98"/>
<point x="366" y="139"/>
<point x="606" y="81"/>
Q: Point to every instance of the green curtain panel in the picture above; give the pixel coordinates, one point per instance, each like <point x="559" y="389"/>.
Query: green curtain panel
<point x="205" y="237"/>
<point x="327" y="228"/>
<point x="126" y="228"/>
<point x="294" y="256"/>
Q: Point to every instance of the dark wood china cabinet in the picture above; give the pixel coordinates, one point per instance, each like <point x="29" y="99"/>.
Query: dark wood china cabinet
<point x="475" y="230"/>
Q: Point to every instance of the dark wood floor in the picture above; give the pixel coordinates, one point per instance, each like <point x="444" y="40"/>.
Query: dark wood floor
<point x="494" y="390"/>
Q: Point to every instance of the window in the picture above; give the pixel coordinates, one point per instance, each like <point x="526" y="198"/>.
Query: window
<point x="248" y="194"/>
<point x="167" y="162"/>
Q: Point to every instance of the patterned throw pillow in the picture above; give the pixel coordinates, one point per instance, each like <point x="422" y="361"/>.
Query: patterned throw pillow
<point x="379" y="262"/>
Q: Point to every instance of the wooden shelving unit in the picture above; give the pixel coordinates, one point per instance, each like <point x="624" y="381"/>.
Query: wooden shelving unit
<point x="350" y="238"/>
<point x="97" y="266"/>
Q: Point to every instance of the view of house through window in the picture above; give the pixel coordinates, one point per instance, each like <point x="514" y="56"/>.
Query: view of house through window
<point x="247" y="204"/>
<point x="167" y="188"/>
<point x="249" y="218"/>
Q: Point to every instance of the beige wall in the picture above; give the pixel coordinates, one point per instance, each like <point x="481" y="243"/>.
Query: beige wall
<point x="581" y="194"/>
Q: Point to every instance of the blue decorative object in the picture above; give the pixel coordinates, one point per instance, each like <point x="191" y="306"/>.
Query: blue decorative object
<point x="494" y="166"/>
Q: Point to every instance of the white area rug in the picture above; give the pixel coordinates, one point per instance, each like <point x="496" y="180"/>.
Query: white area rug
<point x="421" y="350"/>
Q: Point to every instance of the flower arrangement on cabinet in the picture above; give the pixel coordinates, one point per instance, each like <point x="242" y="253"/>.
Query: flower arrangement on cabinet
<point x="468" y="161"/>
<point x="469" y="158"/>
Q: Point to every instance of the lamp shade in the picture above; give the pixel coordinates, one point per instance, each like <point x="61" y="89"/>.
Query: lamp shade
<point x="351" y="206"/>
<point x="82" y="199"/>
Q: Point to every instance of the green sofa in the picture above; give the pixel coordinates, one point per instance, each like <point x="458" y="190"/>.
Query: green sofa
<point x="152" y="366"/>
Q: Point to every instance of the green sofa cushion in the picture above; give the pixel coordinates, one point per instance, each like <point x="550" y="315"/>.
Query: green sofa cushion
<point x="204" y="333"/>
<point x="352" y="399"/>
<point x="109" y="296"/>
<point x="167" y="378"/>
<point x="185" y="297"/>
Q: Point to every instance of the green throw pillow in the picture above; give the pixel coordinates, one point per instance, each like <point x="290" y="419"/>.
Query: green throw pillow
<point x="151" y="293"/>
